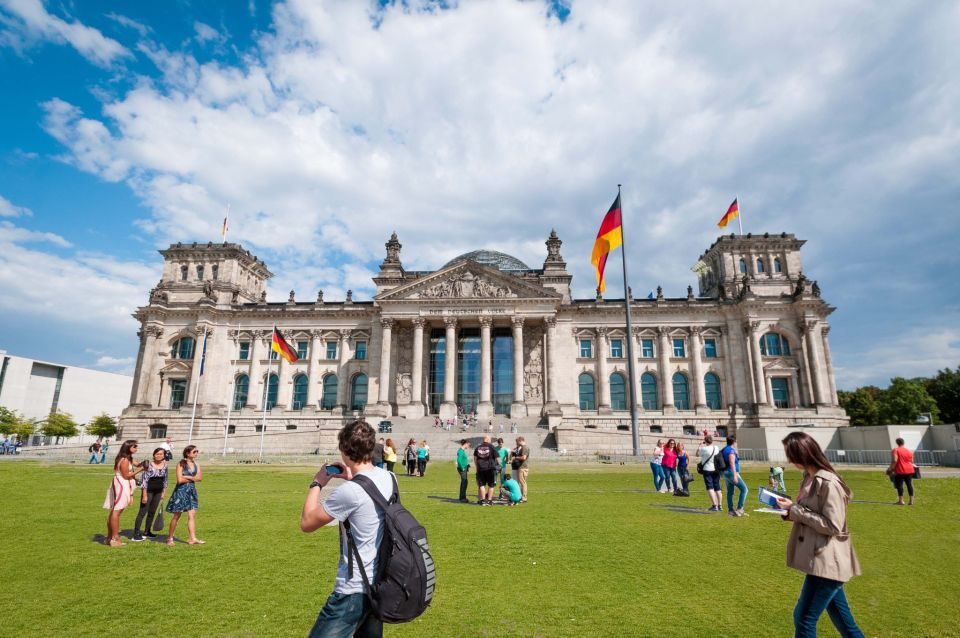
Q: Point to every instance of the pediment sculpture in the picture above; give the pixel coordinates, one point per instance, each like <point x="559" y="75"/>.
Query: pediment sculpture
<point x="466" y="285"/>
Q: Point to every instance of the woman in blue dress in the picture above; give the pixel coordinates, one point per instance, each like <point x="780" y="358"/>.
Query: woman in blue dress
<point x="184" y="498"/>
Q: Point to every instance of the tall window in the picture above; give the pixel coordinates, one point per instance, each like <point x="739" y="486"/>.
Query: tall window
<point x="710" y="348"/>
<point x="681" y="394"/>
<point x="331" y="350"/>
<point x="468" y="369"/>
<point x="184" y="270"/>
<point x="502" y="354"/>
<point x="215" y="272"/>
<point x="273" y="355"/>
<point x="711" y="383"/>
<point x="301" y="349"/>
<point x="760" y="265"/>
<point x="438" y="358"/>
<point x="777" y="266"/>
<point x="300" y="383"/>
<point x="781" y="392"/>
<point x="616" y="348"/>
<point x="648" y="391"/>
<point x="774" y="345"/>
<point x="618" y="392"/>
<point x="241" y="390"/>
<point x="183" y="349"/>
<point x="586" y="349"/>
<point x="743" y="267"/>
<point x="646" y="348"/>
<point x="329" y="398"/>
<point x="178" y="393"/>
<point x="679" y="349"/>
<point x="272" y="384"/>
<point x="588" y="397"/>
<point x="358" y="392"/>
<point x="361" y="351"/>
<point x="244" y="350"/>
<point x="200" y="272"/>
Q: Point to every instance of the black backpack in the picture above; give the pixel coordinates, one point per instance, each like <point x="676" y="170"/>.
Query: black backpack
<point x="406" y="577"/>
<point x="719" y="462"/>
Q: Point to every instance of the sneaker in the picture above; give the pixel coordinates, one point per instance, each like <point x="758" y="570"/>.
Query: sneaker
<point x="740" y="512"/>
<point x="734" y="513"/>
<point x="150" y="535"/>
<point x="137" y="537"/>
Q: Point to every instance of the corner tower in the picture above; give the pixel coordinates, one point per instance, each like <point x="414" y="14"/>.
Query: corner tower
<point x="216" y="273"/>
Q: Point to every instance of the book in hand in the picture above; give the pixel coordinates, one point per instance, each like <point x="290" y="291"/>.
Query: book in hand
<point x="769" y="498"/>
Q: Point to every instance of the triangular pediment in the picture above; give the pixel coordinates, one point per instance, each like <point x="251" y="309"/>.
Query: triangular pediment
<point x="468" y="280"/>
<point x="176" y="367"/>
<point x="780" y="364"/>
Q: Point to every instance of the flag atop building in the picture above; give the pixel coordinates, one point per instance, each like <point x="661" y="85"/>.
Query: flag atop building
<point x="281" y="347"/>
<point x="609" y="237"/>
<point x="732" y="212"/>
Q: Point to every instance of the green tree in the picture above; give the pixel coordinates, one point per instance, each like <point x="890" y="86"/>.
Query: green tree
<point x="904" y="401"/>
<point x="103" y="426"/>
<point x="861" y="405"/>
<point x="945" y="389"/>
<point x="8" y="421"/>
<point x="59" y="425"/>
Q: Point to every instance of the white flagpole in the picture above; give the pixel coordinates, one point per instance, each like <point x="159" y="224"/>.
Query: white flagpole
<point x="226" y="427"/>
<point x="634" y="433"/>
<point x="266" y="391"/>
<point x="196" y="390"/>
<point x="740" y="213"/>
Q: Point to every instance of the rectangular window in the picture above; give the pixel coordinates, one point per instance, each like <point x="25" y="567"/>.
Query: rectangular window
<point x="178" y="392"/>
<point x="586" y="349"/>
<point x="679" y="349"/>
<point x="331" y="350"/>
<point x="301" y="349"/>
<point x="710" y="348"/>
<point x="361" y="351"/>
<point x="273" y="355"/>
<point x="244" y="350"/>
<point x="231" y="429"/>
<point x="646" y="348"/>
<point x="781" y="392"/>
<point x="616" y="349"/>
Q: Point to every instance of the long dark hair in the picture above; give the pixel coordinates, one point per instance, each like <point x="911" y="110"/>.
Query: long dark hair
<point x="802" y="449"/>
<point x="125" y="453"/>
<point x="186" y="454"/>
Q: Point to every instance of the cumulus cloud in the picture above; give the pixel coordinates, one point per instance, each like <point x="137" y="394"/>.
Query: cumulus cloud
<point x="8" y="209"/>
<point x="27" y="21"/>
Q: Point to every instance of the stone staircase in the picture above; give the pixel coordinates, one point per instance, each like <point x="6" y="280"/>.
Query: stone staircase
<point x="444" y="444"/>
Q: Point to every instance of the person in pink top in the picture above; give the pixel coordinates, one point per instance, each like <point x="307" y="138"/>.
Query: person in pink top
<point x="902" y="470"/>
<point x="670" y="479"/>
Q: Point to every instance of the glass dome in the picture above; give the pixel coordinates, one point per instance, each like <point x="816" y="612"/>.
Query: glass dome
<point x="490" y="258"/>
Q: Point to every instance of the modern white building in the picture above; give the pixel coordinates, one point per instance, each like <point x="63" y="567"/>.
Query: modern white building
<point x="37" y="388"/>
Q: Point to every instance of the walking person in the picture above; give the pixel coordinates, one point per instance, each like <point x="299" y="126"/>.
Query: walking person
<point x="184" y="497"/>
<point x="655" y="465"/>
<point x="153" y="489"/>
<point x="410" y="457"/>
<point x="378" y="453"/>
<point x="167" y="446"/>
<point x="683" y="461"/>
<point x="120" y="492"/>
<point x="520" y="456"/>
<point x="423" y="457"/>
<point x="463" y="468"/>
<point x="819" y="544"/>
<point x="94" y="451"/>
<point x="668" y="464"/>
<point x="732" y="477"/>
<point x="902" y="470"/>
<point x="711" y="477"/>
<point x="390" y="454"/>
<point x="103" y="451"/>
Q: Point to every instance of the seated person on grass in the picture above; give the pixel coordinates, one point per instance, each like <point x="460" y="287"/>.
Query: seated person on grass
<point x="510" y="490"/>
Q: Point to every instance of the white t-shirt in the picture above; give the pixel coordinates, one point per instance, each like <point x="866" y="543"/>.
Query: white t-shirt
<point x="351" y="502"/>
<point x="706" y="457"/>
<point x="657" y="457"/>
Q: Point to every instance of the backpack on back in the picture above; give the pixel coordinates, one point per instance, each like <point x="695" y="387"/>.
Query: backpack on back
<point x="719" y="462"/>
<point x="406" y="576"/>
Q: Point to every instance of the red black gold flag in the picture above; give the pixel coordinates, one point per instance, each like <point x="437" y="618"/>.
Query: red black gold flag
<point x="281" y="347"/>
<point x="609" y="237"/>
<point x="732" y="213"/>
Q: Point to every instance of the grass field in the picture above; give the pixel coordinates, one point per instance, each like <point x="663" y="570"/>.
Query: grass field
<point x="594" y="553"/>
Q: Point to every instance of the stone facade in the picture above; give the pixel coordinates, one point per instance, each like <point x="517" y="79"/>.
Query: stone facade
<point x="750" y="350"/>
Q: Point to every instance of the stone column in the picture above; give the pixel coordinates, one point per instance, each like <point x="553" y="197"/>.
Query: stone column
<point x="666" y="381"/>
<point x="768" y="384"/>
<point x="313" y="383"/>
<point x="816" y="361"/>
<point x="828" y="363"/>
<point x="485" y="409"/>
<point x="795" y="388"/>
<point x="603" y="375"/>
<point x="729" y="384"/>
<point x="696" y="369"/>
<point x="518" y="408"/>
<point x="416" y="374"/>
<point x="343" y="381"/>
<point x="284" y="383"/>
<point x="150" y="346"/>
<point x="758" y="380"/>
<point x="386" y="336"/>
<point x="553" y="371"/>
<point x="256" y="388"/>
<point x="448" y="408"/>
<point x="806" y="383"/>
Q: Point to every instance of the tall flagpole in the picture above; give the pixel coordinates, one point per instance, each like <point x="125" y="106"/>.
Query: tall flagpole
<point x="266" y="391"/>
<point x="739" y="213"/>
<point x="226" y="427"/>
<point x="196" y="390"/>
<point x="630" y="362"/>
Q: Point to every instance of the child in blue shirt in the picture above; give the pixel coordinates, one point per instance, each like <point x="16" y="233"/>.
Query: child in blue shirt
<point x="510" y="490"/>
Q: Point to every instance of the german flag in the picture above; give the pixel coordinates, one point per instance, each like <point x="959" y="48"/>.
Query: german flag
<point x="281" y="347"/>
<point x="732" y="213"/>
<point x="609" y="237"/>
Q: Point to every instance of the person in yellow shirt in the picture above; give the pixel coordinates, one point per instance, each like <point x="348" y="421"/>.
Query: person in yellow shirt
<point x="389" y="454"/>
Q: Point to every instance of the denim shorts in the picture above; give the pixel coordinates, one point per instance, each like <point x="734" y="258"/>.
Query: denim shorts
<point x="346" y="615"/>
<point x="712" y="480"/>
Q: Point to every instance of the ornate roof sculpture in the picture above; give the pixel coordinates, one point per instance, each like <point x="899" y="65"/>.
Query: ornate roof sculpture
<point x="492" y="258"/>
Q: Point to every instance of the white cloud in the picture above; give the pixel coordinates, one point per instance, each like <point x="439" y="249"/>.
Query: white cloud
<point x="129" y="23"/>
<point x="918" y="352"/>
<point x="8" y="209"/>
<point x="122" y="365"/>
<point x="205" y="33"/>
<point x="33" y="22"/>
<point x="11" y="234"/>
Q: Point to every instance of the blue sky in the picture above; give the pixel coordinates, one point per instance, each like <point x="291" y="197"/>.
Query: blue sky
<point x="328" y="125"/>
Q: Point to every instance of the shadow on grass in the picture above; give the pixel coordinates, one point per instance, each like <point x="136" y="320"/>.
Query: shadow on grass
<point x="875" y="503"/>
<point x="456" y="501"/>
<point x="127" y="535"/>
<point x="683" y="509"/>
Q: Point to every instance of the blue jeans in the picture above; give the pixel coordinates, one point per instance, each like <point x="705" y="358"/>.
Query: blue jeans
<point x="816" y="595"/>
<point x="463" y="484"/>
<point x="670" y="478"/>
<point x="93" y="458"/>
<point x="740" y="485"/>
<point x="657" y="470"/>
<point x="346" y="615"/>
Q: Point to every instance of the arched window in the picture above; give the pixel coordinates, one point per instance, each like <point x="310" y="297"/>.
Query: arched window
<point x="588" y="397"/>
<point x="215" y="272"/>
<point x="648" y="391"/>
<point x="774" y="345"/>
<point x="681" y="395"/>
<point x="183" y="272"/>
<point x="241" y="390"/>
<point x="358" y="392"/>
<point x="777" y="266"/>
<point x="272" y="384"/>
<point x="200" y="272"/>
<point x="743" y="267"/>
<point x="711" y="383"/>
<point x="329" y="399"/>
<point x="618" y="391"/>
<point x="183" y="349"/>
<point x="760" y="265"/>
<point x="300" y="383"/>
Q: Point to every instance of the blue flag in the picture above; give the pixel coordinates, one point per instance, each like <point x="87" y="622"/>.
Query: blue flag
<point x="203" y="354"/>
<point x="650" y="296"/>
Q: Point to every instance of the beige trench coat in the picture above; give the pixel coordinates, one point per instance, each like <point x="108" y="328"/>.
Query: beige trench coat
<point x="819" y="543"/>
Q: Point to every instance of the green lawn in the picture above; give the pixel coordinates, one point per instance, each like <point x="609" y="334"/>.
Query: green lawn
<point x="589" y="555"/>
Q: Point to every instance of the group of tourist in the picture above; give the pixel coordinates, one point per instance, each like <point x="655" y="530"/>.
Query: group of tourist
<point x="491" y="461"/>
<point x="98" y="452"/>
<point x="150" y="476"/>
<point x="416" y="457"/>
<point x="669" y="464"/>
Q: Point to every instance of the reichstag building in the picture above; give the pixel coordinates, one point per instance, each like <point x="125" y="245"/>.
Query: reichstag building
<point x="484" y="333"/>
